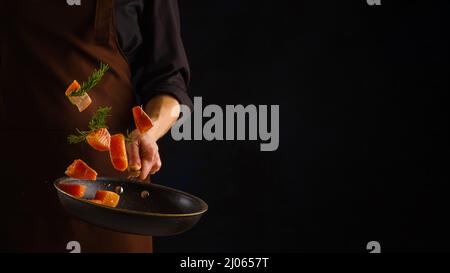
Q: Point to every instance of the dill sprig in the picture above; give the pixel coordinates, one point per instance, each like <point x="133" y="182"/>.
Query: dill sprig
<point x="98" y="121"/>
<point x="128" y="137"/>
<point x="93" y="80"/>
<point x="75" y="139"/>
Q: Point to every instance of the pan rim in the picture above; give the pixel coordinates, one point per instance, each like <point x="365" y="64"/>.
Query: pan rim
<point x="127" y="211"/>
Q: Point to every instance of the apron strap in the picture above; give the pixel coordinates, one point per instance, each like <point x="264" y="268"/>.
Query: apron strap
<point x="103" y="21"/>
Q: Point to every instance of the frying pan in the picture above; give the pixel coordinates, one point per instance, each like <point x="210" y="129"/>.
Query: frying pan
<point x="143" y="209"/>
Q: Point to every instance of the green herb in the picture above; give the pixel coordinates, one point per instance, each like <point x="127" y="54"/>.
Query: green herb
<point x="81" y="137"/>
<point x="128" y="138"/>
<point x="93" y="80"/>
<point x="98" y="121"/>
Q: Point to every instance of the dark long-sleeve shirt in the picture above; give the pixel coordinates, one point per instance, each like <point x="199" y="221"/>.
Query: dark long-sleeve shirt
<point x="149" y="35"/>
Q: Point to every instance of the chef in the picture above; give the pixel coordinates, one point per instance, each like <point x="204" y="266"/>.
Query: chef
<point x="44" y="46"/>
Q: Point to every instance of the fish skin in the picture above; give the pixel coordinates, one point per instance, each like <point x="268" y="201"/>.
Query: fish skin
<point x="100" y="140"/>
<point x="81" y="102"/>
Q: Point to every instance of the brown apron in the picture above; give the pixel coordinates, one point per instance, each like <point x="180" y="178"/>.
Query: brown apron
<point x="45" y="45"/>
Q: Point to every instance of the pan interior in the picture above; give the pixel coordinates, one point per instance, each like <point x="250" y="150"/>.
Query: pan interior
<point x="161" y="200"/>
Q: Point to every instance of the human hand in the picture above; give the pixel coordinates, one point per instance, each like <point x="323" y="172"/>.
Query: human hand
<point x="143" y="154"/>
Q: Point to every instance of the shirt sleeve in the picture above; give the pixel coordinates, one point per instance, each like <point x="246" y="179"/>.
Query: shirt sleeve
<point x="164" y="67"/>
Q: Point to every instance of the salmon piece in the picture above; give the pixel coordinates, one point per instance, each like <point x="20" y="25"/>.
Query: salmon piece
<point x="142" y="120"/>
<point x="108" y="198"/>
<point x="80" y="170"/>
<point x="118" y="153"/>
<point x="96" y="201"/>
<point x="81" y="102"/>
<point x="73" y="189"/>
<point x="100" y="140"/>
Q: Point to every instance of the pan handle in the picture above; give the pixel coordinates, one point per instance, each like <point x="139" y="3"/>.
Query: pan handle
<point x="133" y="175"/>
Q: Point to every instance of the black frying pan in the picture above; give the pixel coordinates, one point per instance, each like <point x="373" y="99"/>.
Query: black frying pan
<point x="143" y="209"/>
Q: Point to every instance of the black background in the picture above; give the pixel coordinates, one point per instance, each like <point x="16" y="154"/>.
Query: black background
<point x="363" y="93"/>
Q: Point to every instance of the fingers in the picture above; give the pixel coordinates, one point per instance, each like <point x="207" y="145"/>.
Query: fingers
<point x="149" y="156"/>
<point x="150" y="166"/>
<point x="146" y="167"/>
<point x="133" y="156"/>
<point x="157" y="164"/>
<point x="143" y="156"/>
